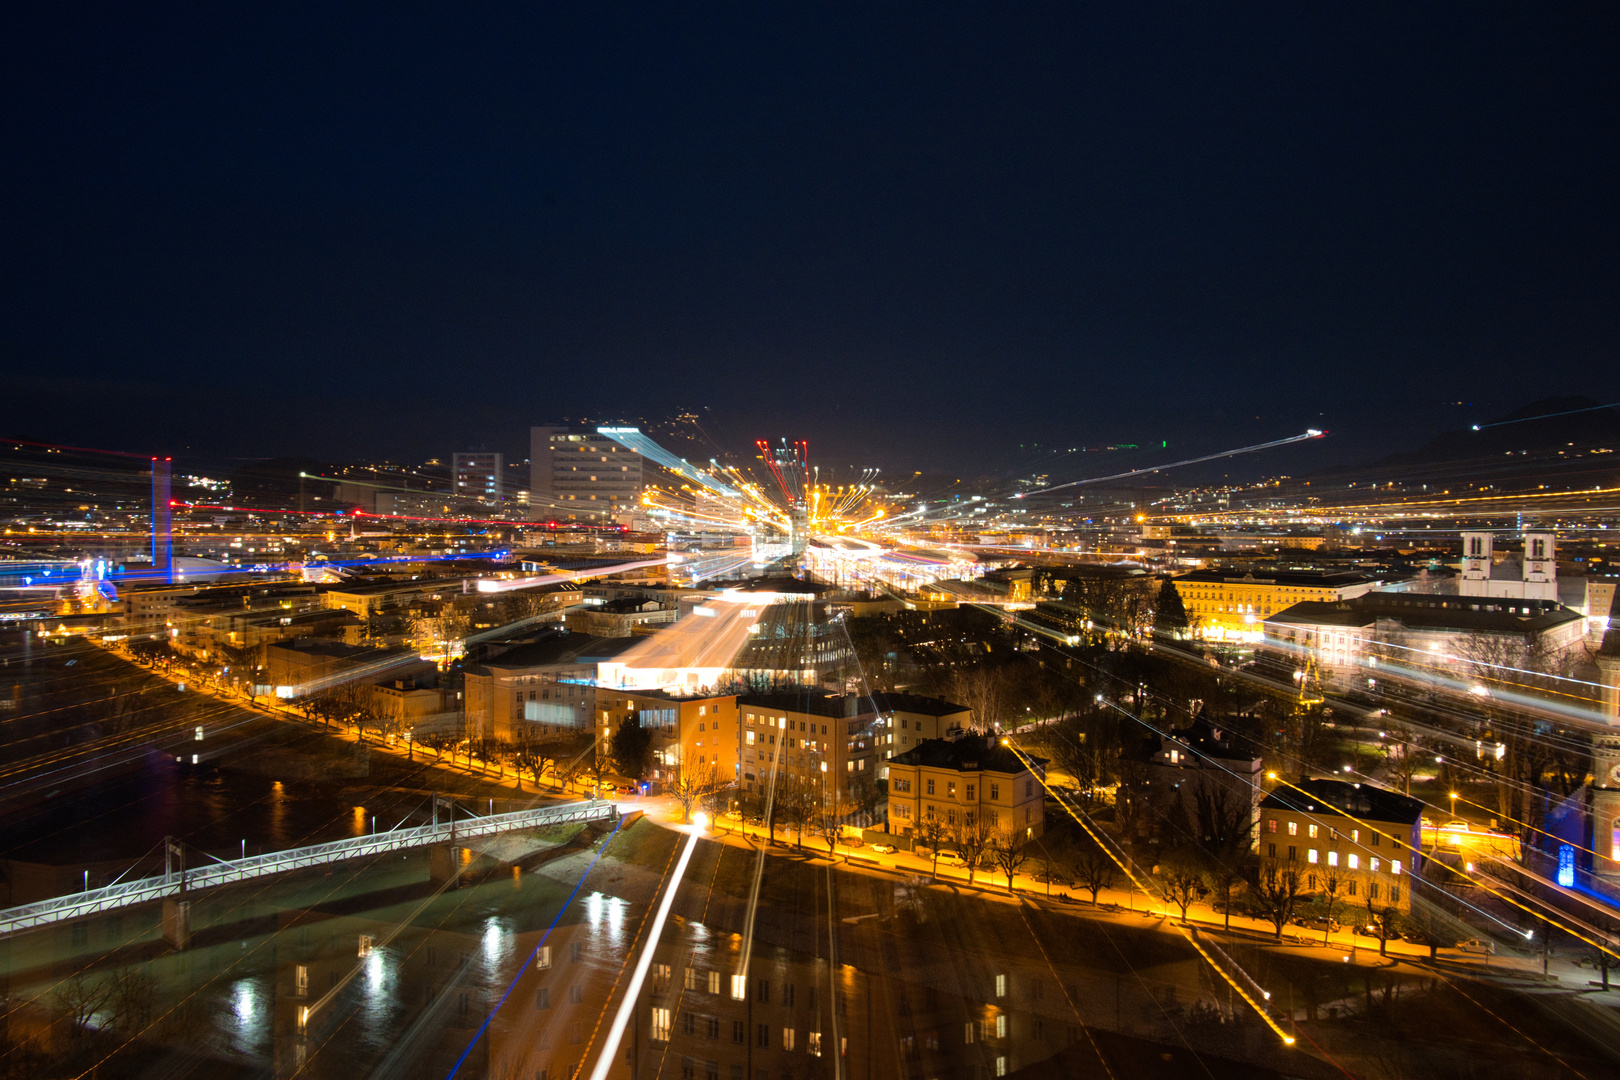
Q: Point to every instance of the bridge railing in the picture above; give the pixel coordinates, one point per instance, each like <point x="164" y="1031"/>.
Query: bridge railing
<point x="143" y="890"/>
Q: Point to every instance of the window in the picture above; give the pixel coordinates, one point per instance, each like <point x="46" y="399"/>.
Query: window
<point x="1313" y="832"/>
<point x="967" y="1032"/>
<point x="660" y="1024"/>
<point x="1372" y="891"/>
<point x="739" y="987"/>
<point x="763" y="1037"/>
<point x="576" y="993"/>
<point x="1001" y="1026"/>
<point x="1271" y="851"/>
<point x="762" y="990"/>
<point x="1395" y="867"/>
<point x="1001" y="986"/>
<point x="739" y="1032"/>
<point x="1616" y="831"/>
<point x="1394" y="894"/>
<point x="812" y="1043"/>
<point x="1271" y="825"/>
<point x="1310" y="856"/>
<point x="1333" y="858"/>
<point x="1350" y="888"/>
<point x="970" y="793"/>
<point x="688" y="1023"/>
<point x="1029" y="788"/>
<point x="1293" y="828"/>
<point x="691" y="978"/>
<point x="542" y="999"/>
<point x="1353" y="861"/>
<point x="713" y="1025"/>
<point x="1373" y="866"/>
<point x="661" y="976"/>
<point x="578" y="950"/>
<point x="1293" y="854"/>
<point x="787" y="1039"/>
<point x="714" y="982"/>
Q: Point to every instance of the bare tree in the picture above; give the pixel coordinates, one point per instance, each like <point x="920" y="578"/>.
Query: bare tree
<point x="932" y="833"/>
<point x="1330" y="897"/>
<point x="1095" y="869"/>
<point x="1277" y="891"/>
<point x="972" y="839"/>
<point x="1183" y="886"/>
<point x="1008" y="851"/>
<point x="691" y="785"/>
<point x="1385" y="920"/>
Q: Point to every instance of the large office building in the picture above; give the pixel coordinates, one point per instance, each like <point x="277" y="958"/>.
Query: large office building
<point x="1226" y="605"/>
<point x="476" y="477"/>
<point x="578" y="475"/>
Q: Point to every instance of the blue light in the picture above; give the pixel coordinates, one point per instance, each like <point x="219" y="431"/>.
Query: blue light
<point x="1566" y="865"/>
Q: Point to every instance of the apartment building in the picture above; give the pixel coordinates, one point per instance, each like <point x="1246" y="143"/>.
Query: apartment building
<point x="1368" y="839"/>
<point x="963" y="782"/>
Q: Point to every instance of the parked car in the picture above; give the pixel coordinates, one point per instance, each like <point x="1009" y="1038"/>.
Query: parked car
<point x="883" y="849"/>
<point x="851" y="841"/>
<point x="952" y="858"/>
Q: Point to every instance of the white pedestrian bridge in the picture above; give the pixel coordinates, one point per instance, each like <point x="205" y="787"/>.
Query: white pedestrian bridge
<point x="182" y="882"/>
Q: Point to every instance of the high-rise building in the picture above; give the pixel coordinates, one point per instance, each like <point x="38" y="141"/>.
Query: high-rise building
<point x="576" y="474"/>
<point x="476" y="477"/>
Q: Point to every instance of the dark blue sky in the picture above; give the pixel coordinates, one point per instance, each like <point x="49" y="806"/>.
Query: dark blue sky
<point x="918" y="235"/>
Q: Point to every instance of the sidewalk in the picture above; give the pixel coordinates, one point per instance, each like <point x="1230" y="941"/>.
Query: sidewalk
<point x="1342" y="945"/>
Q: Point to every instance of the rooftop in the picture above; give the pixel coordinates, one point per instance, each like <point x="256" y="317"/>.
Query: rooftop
<point x="560" y="648"/>
<point x="810" y="702"/>
<point x="1429" y="611"/>
<point x="1363" y="801"/>
<point x="915" y="703"/>
<point x="971" y="753"/>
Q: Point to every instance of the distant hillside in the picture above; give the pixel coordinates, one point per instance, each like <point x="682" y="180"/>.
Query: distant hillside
<point x="1549" y="432"/>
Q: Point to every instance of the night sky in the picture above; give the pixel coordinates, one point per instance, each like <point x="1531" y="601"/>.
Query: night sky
<point x="919" y="236"/>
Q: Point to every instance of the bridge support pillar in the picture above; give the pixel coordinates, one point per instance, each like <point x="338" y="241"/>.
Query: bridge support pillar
<point x="447" y="861"/>
<point x="177" y="922"/>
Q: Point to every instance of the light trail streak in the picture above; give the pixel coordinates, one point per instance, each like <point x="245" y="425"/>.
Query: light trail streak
<point x="493" y="585"/>
<point x="1313" y="433"/>
<point x="627" y="1008"/>
<point x="1545" y="416"/>
<point x="1465" y="875"/>
<point x="636" y="442"/>
<point x="545" y="937"/>
<point x="1261" y="1010"/>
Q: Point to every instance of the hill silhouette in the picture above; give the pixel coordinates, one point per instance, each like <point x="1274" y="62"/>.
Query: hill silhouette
<point x="1548" y="424"/>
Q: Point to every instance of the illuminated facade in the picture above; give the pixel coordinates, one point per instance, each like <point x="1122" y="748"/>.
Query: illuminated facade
<point x="1225" y="606"/>
<point x="578" y="474"/>
<point x="965" y="782"/>
<point x="476" y="478"/>
<point x="1363" y="839"/>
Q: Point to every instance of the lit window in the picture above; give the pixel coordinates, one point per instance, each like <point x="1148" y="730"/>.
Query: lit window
<point x="660" y="1024"/>
<point x="739" y="987"/>
<point x="1310" y="856"/>
<point x="1313" y="832"/>
<point x="1395" y="867"/>
<point x="1374" y="866"/>
<point x="1001" y="986"/>
<point x="1333" y="858"/>
<point x="1354" y="861"/>
<point x="1001" y="1026"/>
<point x="1293" y="828"/>
<point x="787" y="1038"/>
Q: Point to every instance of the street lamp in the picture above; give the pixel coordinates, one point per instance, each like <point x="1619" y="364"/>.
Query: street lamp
<point x="1453" y="804"/>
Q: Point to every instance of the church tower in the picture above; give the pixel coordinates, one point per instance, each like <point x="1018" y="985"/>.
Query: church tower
<point x="1540" y="567"/>
<point x="1476" y="564"/>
